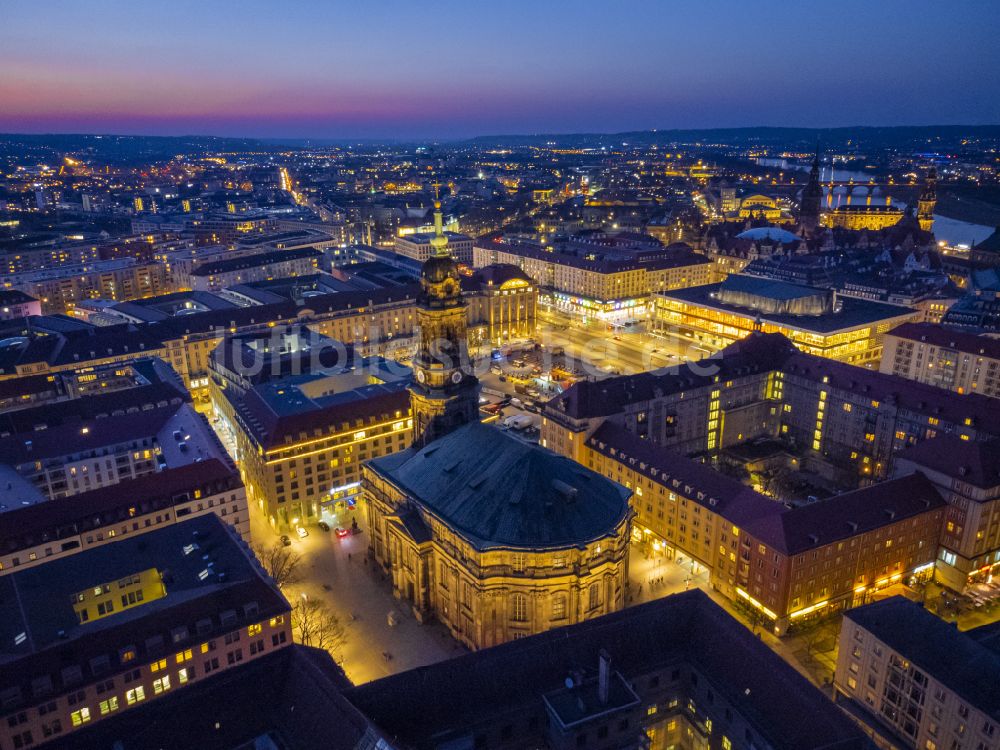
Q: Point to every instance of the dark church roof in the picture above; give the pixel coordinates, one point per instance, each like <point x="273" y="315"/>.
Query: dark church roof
<point x="497" y="491"/>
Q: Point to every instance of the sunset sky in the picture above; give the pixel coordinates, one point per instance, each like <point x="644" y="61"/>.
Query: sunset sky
<point x="391" y="69"/>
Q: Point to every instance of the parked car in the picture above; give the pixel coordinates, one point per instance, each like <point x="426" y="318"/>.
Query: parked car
<point x="342" y="532"/>
<point x="285" y="541"/>
<point x="301" y="531"/>
<point x="324" y="525"/>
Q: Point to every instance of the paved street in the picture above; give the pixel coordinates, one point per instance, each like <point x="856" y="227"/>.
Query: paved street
<point x="627" y="352"/>
<point x="335" y="570"/>
<point x="653" y="576"/>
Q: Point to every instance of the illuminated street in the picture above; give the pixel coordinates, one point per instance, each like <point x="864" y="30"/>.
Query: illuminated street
<point x="617" y="349"/>
<point x="512" y="376"/>
<point x="335" y="571"/>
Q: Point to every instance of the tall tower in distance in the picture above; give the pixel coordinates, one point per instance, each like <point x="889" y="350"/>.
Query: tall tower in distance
<point x="444" y="394"/>
<point x="812" y="199"/>
<point x="927" y="201"/>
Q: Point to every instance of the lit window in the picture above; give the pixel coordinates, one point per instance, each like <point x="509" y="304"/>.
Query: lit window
<point x="161" y="685"/>
<point x="135" y="695"/>
<point x="80" y="717"/>
<point x="520" y="608"/>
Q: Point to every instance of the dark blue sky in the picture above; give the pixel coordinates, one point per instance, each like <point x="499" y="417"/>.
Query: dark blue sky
<point x="388" y="68"/>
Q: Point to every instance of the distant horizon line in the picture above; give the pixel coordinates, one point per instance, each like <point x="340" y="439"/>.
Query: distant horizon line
<point x="487" y="136"/>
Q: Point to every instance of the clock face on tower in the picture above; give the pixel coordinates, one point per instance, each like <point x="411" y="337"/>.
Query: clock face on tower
<point x="456" y="377"/>
<point x="420" y="376"/>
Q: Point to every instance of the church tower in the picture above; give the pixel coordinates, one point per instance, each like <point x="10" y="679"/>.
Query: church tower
<point x="444" y="394"/>
<point x="927" y="201"/>
<point x="812" y="199"/>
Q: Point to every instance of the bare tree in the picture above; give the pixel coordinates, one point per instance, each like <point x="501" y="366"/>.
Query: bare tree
<point x="279" y="562"/>
<point x="314" y="624"/>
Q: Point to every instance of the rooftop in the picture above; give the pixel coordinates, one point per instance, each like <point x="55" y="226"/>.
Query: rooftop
<point x="41" y="628"/>
<point x="497" y="491"/>
<point x="156" y="424"/>
<point x="290" y="698"/>
<point x="425" y="707"/>
<point x="254" y="261"/>
<point x="806" y="527"/>
<point x="603" y="256"/>
<point x="776" y="234"/>
<point x="948" y="338"/>
<point x="975" y="462"/>
<point x="962" y="663"/>
<point x="279" y="411"/>
<point x="56" y="519"/>
<point x="853" y="312"/>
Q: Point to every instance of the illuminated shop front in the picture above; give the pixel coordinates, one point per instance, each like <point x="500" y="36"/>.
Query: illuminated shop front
<point x="610" y="311"/>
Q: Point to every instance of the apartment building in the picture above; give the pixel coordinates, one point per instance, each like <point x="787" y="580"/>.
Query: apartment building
<point x="154" y="376"/>
<point x="676" y="672"/>
<point x="914" y="681"/>
<point x="967" y="474"/>
<point x="276" y="264"/>
<point x="227" y="229"/>
<point x="104" y="631"/>
<point x="840" y="420"/>
<point x="59" y="288"/>
<point x="303" y="423"/>
<point x="34" y="534"/>
<point x="955" y="360"/>
<point x="65" y="448"/>
<point x="840" y="552"/>
<point x="16" y="304"/>
<point x="45" y="255"/>
<point x="290" y="698"/>
<point x="783" y="565"/>
<point x="417" y="246"/>
<point x="606" y="278"/>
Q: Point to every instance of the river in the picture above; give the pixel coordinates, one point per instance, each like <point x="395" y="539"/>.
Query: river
<point x="952" y="231"/>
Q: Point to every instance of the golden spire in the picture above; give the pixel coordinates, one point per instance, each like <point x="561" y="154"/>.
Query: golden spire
<point x="439" y="242"/>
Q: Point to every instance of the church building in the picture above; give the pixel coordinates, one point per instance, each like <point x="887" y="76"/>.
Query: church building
<point x="496" y="537"/>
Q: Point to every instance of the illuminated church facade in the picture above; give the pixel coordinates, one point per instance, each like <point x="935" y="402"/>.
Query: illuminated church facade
<point x="494" y="536"/>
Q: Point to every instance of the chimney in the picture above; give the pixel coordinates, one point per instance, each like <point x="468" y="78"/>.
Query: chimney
<point x="603" y="675"/>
